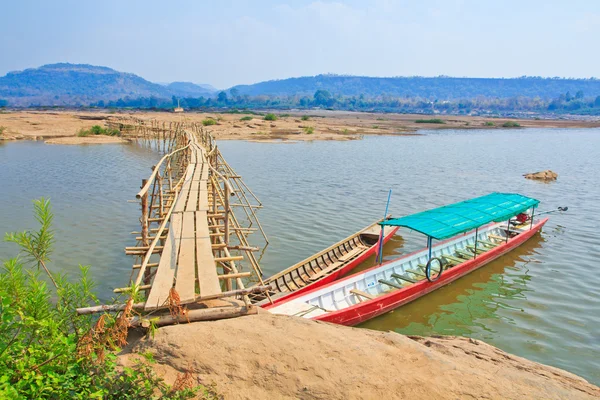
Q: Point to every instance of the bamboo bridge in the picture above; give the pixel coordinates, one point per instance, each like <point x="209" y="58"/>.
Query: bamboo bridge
<point x="192" y="258"/>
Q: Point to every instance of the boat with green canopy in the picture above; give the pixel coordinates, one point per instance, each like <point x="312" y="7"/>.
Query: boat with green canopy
<point x="468" y="235"/>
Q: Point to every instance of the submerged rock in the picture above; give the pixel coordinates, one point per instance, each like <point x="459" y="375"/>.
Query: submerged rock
<point x="546" y="175"/>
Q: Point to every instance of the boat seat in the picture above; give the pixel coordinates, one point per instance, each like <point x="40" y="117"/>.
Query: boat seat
<point x="390" y="283"/>
<point x="479" y="249"/>
<point x="326" y="271"/>
<point x="404" y="278"/>
<point x="490" y="244"/>
<point x="501" y="238"/>
<point x="451" y="261"/>
<point x="351" y="254"/>
<point x="416" y="273"/>
<point x="464" y="254"/>
<point x="360" y="293"/>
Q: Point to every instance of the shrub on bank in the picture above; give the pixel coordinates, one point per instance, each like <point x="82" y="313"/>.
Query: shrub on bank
<point x="511" y="124"/>
<point x="46" y="350"/>
<point x="208" y="122"/>
<point x="98" y="130"/>
<point x="430" y="121"/>
<point x="246" y="118"/>
<point x="270" y="117"/>
<point x="489" y="123"/>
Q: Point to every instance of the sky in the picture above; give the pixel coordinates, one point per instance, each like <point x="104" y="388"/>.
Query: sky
<point x="226" y="42"/>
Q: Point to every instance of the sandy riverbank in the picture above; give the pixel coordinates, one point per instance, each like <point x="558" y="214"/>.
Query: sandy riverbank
<point x="326" y="125"/>
<point x="269" y="356"/>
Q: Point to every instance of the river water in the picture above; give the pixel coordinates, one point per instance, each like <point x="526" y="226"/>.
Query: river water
<point x="541" y="301"/>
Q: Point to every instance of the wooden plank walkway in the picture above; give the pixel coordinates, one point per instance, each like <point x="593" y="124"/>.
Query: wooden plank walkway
<point x="187" y="262"/>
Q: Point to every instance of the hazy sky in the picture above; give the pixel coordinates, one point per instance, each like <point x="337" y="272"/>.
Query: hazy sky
<point x="231" y="42"/>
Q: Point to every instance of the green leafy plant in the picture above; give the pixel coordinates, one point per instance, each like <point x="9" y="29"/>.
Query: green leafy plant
<point x="98" y="130"/>
<point x="270" y="117"/>
<point x="208" y="122"/>
<point x="511" y="124"/>
<point x="246" y="118"/>
<point x="489" y="123"/>
<point x="430" y="121"/>
<point x="46" y="350"/>
<point x="309" y="130"/>
<point x="375" y="126"/>
<point x="305" y="118"/>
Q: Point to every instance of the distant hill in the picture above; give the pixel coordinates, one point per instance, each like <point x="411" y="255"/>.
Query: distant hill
<point x="81" y="84"/>
<point x="442" y="88"/>
<point x="189" y="89"/>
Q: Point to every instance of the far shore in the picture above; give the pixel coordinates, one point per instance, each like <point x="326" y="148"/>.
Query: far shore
<point x="61" y="127"/>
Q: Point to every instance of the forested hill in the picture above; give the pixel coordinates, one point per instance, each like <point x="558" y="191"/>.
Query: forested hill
<point x="80" y="84"/>
<point x="441" y="88"/>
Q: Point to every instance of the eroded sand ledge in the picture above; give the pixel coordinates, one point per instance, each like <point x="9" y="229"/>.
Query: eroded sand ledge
<point x="279" y="357"/>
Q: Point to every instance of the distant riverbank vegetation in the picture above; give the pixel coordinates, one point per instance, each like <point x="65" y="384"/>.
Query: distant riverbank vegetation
<point x="98" y="130"/>
<point x="564" y="104"/>
<point x="430" y="121"/>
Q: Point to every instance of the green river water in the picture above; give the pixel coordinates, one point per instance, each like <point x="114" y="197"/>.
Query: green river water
<point x="541" y="301"/>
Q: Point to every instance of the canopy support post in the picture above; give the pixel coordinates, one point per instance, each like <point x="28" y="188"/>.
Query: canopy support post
<point x="532" y="212"/>
<point x="380" y="255"/>
<point x="476" y="232"/>
<point x="429" y="240"/>
<point x="507" y="230"/>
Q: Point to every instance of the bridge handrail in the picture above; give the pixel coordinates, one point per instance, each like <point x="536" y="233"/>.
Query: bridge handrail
<point x="146" y="187"/>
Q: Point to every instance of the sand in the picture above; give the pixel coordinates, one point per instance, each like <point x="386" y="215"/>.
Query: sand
<point x="279" y="357"/>
<point x="326" y="125"/>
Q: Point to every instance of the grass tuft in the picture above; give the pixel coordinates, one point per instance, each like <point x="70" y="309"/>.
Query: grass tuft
<point x="430" y="121"/>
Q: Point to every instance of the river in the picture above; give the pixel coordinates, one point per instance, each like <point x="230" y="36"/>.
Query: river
<point x="541" y="301"/>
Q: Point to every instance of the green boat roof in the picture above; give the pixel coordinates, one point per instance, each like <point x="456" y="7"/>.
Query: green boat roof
<point x="444" y="222"/>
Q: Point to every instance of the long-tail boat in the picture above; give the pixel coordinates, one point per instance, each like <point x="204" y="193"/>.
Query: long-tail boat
<point x="327" y="265"/>
<point x="472" y="233"/>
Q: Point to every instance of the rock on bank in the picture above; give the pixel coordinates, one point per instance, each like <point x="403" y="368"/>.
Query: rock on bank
<point x="278" y="357"/>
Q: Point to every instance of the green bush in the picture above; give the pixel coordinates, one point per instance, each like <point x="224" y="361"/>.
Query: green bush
<point x="305" y="118"/>
<point x="430" y="121"/>
<point x="489" y="123"/>
<point x="2" y="130"/>
<point x="511" y="124"/>
<point x="46" y="350"/>
<point x="98" y="130"/>
<point x="309" y="130"/>
<point x="270" y="117"/>
<point x="246" y="118"/>
<point x="208" y="122"/>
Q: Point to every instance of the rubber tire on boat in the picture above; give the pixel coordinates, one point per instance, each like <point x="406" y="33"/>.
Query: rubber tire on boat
<point x="428" y="269"/>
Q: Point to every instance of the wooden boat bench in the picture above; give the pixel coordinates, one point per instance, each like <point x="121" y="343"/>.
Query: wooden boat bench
<point x="360" y="293"/>
<point x="326" y="271"/>
<point x="500" y="238"/>
<point x="479" y="249"/>
<point x="390" y="283"/>
<point x="489" y="244"/>
<point x="464" y="254"/>
<point x="351" y="254"/>
<point x="403" y="278"/>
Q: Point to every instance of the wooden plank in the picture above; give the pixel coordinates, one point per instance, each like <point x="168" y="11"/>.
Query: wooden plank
<point x="362" y="294"/>
<point x="163" y="281"/>
<point x="203" y="198"/>
<point x="185" y="284"/>
<point x="326" y="271"/>
<point x="351" y="253"/>
<point x="185" y="190"/>
<point x="208" y="280"/>
<point x="204" y="175"/>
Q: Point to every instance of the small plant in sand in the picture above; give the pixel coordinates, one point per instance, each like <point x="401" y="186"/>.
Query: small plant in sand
<point x="309" y="130"/>
<point x="246" y="118"/>
<point x="270" y="117"/>
<point x="511" y="124"/>
<point x="98" y="130"/>
<point x="305" y="118"/>
<point x="489" y="123"/>
<point x="209" y="122"/>
<point x="430" y="121"/>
